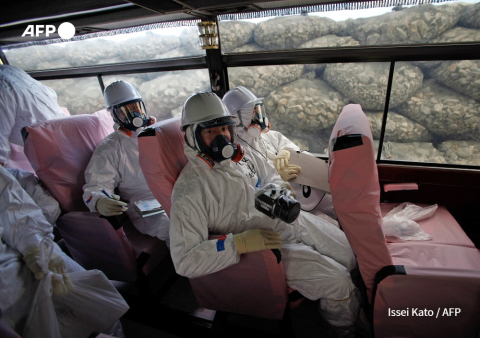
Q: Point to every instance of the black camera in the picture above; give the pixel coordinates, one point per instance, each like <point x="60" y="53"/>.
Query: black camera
<point x="275" y="201"/>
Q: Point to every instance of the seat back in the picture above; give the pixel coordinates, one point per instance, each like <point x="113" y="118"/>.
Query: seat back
<point x="17" y="158"/>
<point x="59" y="151"/>
<point x="256" y="285"/>
<point x="162" y="158"/>
<point x="355" y="189"/>
<point x="424" y="279"/>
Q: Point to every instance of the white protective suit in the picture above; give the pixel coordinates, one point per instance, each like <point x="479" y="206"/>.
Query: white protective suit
<point x="268" y="145"/>
<point x="31" y="184"/>
<point x="316" y="255"/>
<point x="115" y="164"/>
<point x="22" y="228"/>
<point x="23" y="101"/>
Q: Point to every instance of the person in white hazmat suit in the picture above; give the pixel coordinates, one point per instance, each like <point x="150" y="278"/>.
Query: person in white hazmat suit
<point x="254" y="132"/>
<point x="45" y="201"/>
<point x="27" y="212"/>
<point x="115" y="164"/>
<point x="215" y="193"/>
<point x="23" y="101"/>
<point x="254" y="128"/>
<point x="22" y="229"/>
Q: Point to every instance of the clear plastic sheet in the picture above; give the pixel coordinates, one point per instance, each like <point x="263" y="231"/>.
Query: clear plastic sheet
<point x="401" y="223"/>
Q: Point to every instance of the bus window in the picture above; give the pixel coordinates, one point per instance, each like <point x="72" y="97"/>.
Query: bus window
<point x="164" y="93"/>
<point x="347" y="24"/>
<point x="303" y="101"/>
<point x="78" y="95"/>
<point x="149" y="42"/>
<point x="438" y="121"/>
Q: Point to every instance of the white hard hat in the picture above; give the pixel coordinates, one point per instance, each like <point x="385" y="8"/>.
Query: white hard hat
<point x="238" y="97"/>
<point x="119" y="92"/>
<point x="202" y="107"/>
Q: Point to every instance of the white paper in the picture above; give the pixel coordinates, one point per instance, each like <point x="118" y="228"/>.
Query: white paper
<point x="148" y="207"/>
<point x="314" y="172"/>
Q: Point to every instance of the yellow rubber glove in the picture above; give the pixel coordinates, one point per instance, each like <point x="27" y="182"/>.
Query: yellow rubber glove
<point x="256" y="240"/>
<point x="289" y="172"/>
<point x="60" y="281"/>
<point x="110" y="207"/>
<point x="287" y="185"/>
<point x="281" y="160"/>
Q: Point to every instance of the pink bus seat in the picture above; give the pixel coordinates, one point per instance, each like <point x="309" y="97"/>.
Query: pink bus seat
<point x="162" y="158"/>
<point x="82" y="231"/>
<point x="60" y="151"/>
<point x="257" y="277"/>
<point x="442" y="301"/>
<point x="443" y="228"/>
<point x="430" y="281"/>
<point x="18" y="160"/>
<point x="355" y="193"/>
<point x="259" y="267"/>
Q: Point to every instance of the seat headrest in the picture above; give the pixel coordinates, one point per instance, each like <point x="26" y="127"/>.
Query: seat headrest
<point x="59" y="151"/>
<point x="162" y="158"/>
<point x="355" y="189"/>
<point x="352" y="121"/>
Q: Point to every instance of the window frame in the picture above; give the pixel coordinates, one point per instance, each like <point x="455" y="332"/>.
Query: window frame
<point x="351" y="54"/>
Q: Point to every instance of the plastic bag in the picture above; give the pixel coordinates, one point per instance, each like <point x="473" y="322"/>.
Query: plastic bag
<point x="400" y="222"/>
<point x="93" y="305"/>
<point x="42" y="320"/>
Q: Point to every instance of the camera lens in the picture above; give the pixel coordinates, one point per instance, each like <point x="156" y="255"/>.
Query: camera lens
<point x="287" y="209"/>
